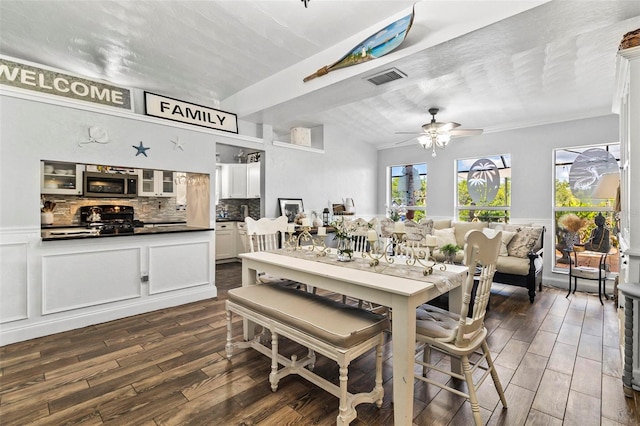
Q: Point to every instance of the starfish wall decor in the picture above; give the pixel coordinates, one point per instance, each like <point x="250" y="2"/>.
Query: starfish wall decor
<point x="141" y="149"/>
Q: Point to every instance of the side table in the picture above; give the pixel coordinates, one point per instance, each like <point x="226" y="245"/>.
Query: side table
<point x="588" y="272"/>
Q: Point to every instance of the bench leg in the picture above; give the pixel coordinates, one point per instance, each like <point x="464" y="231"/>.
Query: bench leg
<point x="378" y="387"/>
<point x="343" y="418"/>
<point x="273" y="376"/>
<point x="229" y="346"/>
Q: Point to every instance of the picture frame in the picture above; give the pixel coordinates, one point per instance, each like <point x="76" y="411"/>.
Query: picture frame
<point x="290" y="207"/>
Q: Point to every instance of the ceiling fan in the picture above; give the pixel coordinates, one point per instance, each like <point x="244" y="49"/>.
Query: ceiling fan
<point x="435" y="134"/>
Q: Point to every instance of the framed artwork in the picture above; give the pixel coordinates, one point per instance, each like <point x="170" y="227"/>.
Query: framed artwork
<point x="290" y="207"/>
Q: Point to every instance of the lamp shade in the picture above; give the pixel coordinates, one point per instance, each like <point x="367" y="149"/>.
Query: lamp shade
<point x="607" y="186"/>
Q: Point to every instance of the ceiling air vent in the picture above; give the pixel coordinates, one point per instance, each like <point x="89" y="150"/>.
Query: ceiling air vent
<point x="386" y="76"/>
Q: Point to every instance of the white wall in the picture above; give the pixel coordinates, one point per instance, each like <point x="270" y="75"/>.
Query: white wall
<point x="346" y="169"/>
<point x="531" y="152"/>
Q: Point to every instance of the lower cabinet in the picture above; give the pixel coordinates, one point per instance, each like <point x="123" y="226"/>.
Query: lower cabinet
<point x="226" y="236"/>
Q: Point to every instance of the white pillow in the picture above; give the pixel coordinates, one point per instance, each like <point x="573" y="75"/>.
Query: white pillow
<point x="444" y="236"/>
<point x="506" y="238"/>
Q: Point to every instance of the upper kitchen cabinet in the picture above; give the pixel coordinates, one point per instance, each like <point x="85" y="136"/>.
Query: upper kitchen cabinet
<point x="156" y="183"/>
<point x="61" y="178"/>
<point x="240" y="180"/>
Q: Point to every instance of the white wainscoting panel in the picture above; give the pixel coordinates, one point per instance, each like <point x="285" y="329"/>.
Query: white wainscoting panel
<point x="14" y="281"/>
<point x="77" y="280"/>
<point x="178" y="266"/>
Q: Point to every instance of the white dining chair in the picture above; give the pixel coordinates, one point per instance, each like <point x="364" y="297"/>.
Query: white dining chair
<point x="267" y="234"/>
<point x="461" y="334"/>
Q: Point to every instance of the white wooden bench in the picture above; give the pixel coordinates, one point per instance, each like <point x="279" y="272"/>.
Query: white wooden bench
<point x="333" y="329"/>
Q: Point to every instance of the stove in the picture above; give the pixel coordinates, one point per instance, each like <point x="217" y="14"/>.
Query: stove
<point x="110" y="219"/>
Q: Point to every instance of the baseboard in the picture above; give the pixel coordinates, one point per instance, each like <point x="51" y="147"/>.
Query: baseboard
<point x="43" y="326"/>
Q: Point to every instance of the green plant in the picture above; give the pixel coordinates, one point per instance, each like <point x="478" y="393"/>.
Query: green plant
<point x="449" y="249"/>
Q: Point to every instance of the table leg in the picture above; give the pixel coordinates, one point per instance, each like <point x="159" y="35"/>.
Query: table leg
<point x="404" y="345"/>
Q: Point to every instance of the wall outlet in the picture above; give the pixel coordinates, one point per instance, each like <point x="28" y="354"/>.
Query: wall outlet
<point x="144" y="278"/>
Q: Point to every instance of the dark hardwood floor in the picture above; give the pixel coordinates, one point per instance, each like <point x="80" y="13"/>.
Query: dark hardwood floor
<point x="558" y="360"/>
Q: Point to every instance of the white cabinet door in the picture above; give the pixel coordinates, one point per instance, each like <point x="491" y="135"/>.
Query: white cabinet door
<point x="240" y="180"/>
<point x="242" y="245"/>
<point x="253" y="180"/>
<point x="156" y="183"/>
<point x="61" y="178"/>
<point x="225" y="240"/>
<point x="234" y="180"/>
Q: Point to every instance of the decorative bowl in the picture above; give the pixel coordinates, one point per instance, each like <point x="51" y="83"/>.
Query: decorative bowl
<point x="60" y="171"/>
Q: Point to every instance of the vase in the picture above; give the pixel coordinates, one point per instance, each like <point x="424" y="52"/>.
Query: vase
<point x="46" y="218"/>
<point x="449" y="258"/>
<point x="345" y="250"/>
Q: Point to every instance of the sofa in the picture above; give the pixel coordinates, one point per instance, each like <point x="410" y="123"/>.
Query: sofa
<point x="520" y="260"/>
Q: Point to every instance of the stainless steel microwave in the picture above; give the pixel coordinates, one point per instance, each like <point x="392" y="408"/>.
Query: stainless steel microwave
<point x="110" y="185"/>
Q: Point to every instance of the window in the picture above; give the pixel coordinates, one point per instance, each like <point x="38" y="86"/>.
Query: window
<point x="484" y="189"/>
<point x="408" y="191"/>
<point x="586" y="183"/>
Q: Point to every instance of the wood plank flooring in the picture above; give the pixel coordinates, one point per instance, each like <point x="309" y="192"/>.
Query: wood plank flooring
<point x="558" y="360"/>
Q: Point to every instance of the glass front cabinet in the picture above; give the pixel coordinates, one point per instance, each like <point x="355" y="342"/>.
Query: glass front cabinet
<point x="156" y="183"/>
<point x="61" y="178"/>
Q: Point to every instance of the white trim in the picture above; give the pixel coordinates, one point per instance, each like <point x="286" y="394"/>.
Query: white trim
<point x="300" y="147"/>
<point x="70" y="103"/>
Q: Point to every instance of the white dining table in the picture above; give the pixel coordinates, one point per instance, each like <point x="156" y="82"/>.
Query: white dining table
<point x="401" y="294"/>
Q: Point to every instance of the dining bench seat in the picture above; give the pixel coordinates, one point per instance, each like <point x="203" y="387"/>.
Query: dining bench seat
<point x="338" y="331"/>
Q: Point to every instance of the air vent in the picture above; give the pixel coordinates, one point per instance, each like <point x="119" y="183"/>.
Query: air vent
<point x="386" y="76"/>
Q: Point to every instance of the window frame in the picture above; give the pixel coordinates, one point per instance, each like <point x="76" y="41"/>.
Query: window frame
<point x="459" y="209"/>
<point x="389" y="191"/>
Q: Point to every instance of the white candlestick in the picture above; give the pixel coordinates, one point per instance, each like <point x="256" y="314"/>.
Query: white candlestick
<point x="306" y="222"/>
<point x="431" y="241"/>
<point x="372" y="235"/>
<point x="291" y="229"/>
<point x="398" y="228"/>
<point x="322" y="230"/>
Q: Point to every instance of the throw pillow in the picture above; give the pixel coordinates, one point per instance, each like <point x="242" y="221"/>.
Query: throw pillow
<point x="524" y="241"/>
<point x="413" y="231"/>
<point x="461" y="229"/>
<point x="426" y="225"/>
<point x="506" y="239"/>
<point x="445" y="236"/>
<point x="442" y="224"/>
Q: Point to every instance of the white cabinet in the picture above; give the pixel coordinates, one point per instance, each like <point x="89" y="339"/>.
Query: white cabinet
<point x="253" y="180"/>
<point x="156" y="183"/>
<point x="61" y="178"/>
<point x="240" y="180"/>
<point x="226" y="236"/>
<point x="242" y="245"/>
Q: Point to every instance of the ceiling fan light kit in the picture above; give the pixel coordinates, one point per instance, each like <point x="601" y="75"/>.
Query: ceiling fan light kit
<point x="435" y="134"/>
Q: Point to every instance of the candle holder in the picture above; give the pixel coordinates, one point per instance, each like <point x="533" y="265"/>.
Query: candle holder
<point x="305" y="236"/>
<point x="397" y="248"/>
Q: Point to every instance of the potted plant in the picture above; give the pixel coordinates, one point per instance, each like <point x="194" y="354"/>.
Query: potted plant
<point x="449" y="251"/>
<point x="345" y="238"/>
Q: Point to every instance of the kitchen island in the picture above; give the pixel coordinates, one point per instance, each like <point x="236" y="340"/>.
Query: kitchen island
<point x="67" y="281"/>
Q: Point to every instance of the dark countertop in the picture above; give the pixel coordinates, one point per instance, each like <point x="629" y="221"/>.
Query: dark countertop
<point x="153" y="230"/>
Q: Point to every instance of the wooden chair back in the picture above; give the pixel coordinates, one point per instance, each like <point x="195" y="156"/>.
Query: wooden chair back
<point x="361" y="228"/>
<point x="266" y="234"/>
<point x="481" y="256"/>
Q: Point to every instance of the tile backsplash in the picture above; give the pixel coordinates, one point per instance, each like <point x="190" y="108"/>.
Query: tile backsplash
<point x="234" y="209"/>
<point x="147" y="209"/>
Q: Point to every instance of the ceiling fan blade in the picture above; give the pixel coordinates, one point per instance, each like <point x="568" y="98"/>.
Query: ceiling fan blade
<point x="409" y="133"/>
<point x="465" y="132"/>
<point x="411" y="139"/>
<point x="445" y="127"/>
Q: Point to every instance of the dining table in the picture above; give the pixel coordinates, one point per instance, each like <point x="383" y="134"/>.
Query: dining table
<point x="393" y="284"/>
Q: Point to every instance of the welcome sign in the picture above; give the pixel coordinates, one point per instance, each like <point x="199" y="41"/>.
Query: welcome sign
<point x="46" y="80"/>
<point x="185" y="112"/>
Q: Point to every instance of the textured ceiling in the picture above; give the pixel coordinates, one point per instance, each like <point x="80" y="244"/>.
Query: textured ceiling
<point x="553" y="62"/>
